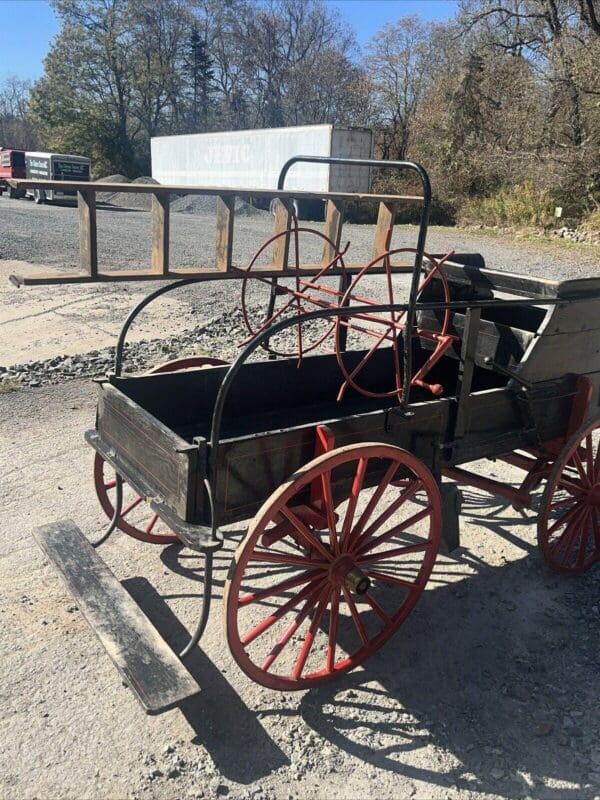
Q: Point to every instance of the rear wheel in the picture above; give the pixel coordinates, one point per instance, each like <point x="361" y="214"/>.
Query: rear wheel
<point x="137" y="519"/>
<point x="332" y="565"/>
<point x="569" y="519"/>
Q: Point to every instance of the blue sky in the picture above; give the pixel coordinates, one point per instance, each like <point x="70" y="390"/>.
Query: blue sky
<point x="28" y="26"/>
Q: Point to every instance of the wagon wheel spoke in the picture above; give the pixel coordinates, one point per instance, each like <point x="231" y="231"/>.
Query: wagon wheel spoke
<point x="269" y="621"/>
<point x="285" y="558"/>
<point x="370" y="545"/>
<point x="394" y="553"/>
<point x="366" y="542"/>
<point x="355" y="616"/>
<point x="310" y="635"/>
<point x="290" y="583"/>
<point x="287" y="635"/>
<point x="336" y="608"/>
<point x="333" y="623"/>
<point x="309" y="538"/>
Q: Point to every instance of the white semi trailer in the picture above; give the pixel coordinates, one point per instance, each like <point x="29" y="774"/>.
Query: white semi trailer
<point x="253" y="159"/>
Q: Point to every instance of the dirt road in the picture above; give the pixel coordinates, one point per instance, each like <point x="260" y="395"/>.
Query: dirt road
<point x="489" y="690"/>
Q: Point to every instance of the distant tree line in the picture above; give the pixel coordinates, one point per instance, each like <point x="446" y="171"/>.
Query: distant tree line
<point x="501" y="103"/>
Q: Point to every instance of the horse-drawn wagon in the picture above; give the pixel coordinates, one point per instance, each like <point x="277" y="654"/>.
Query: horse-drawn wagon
<point x="344" y="447"/>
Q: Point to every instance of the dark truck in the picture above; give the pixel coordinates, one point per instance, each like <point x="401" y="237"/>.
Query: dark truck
<point x="55" y="167"/>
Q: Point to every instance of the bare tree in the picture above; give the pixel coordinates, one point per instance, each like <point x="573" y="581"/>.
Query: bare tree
<point x="399" y="64"/>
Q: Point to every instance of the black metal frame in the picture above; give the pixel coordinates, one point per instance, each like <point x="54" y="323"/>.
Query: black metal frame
<point x="423" y="223"/>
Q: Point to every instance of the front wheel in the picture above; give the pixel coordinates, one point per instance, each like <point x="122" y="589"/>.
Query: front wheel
<point x="332" y="565"/>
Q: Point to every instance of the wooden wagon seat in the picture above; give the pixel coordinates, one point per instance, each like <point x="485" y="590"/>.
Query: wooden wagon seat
<point x="507" y="334"/>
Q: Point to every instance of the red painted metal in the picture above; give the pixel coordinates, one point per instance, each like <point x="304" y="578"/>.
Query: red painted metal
<point x="297" y="294"/>
<point x="314" y="608"/>
<point x="9" y="168"/>
<point x="145" y="531"/>
<point x="392" y="326"/>
<point x="307" y="293"/>
<point x="569" y="518"/>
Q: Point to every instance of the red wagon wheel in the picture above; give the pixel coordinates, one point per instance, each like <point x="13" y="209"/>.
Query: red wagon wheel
<point x="298" y="295"/>
<point x="385" y="328"/>
<point x="569" y="519"/>
<point x="148" y="527"/>
<point x="332" y="565"/>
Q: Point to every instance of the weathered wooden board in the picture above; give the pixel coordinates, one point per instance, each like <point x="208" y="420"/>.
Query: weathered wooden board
<point x="148" y="665"/>
<point x="167" y="464"/>
<point x="225" y="221"/>
<point x="160" y="234"/>
<point x="88" y="239"/>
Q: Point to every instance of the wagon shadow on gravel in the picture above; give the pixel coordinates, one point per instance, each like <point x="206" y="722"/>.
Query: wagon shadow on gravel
<point x="486" y="671"/>
<point x="220" y="719"/>
<point x="480" y="672"/>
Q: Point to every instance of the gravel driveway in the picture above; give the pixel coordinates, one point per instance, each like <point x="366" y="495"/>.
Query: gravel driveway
<point x="490" y="689"/>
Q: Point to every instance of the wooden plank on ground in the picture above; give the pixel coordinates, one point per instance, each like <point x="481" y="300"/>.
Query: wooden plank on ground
<point x="148" y="665"/>
<point x="225" y="220"/>
<point x="88" y="233"/>
<point x="160" y="233"/>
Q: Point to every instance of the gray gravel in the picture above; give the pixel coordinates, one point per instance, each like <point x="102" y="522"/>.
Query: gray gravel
<point x="489" y="690"/>
<point x="49" y="235"/>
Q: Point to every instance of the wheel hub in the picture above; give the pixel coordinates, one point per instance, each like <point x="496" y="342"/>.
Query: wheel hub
<point x="345" y="571"/>
<point x="594" y="495"/>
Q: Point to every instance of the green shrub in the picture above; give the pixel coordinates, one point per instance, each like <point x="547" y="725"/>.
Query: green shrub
<point x="519" y="206"/>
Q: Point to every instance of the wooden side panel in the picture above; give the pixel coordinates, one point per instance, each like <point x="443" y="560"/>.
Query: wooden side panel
<point x="88" y="234"/>
<point x="225" y="221"/>
<point x="384" y="229"/>
<point x="334" y="220"/>
<point x="573" y="317"/>
<point x="252" y="467"/>
<point x="553" y="356"/>
<point x="283" y="221"/>
<point x="160" y="233"/>
<point x="164" y="460"/>
<point x="148" y="665"/>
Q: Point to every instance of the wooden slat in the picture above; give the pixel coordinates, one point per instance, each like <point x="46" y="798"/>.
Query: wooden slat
<point x="281" y="246"/>
<point x="209" y="191"/>
<point x="334" y="220"/>
<point x="88" y="233"/>
<point x="148" y="665"/>
<point x="160" y="233"/>
<point x="385" y="226"/>
<point x="225" y="220"/>
<point x="56" y="278"/>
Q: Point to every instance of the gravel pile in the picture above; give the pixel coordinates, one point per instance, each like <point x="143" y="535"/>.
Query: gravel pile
<point x="199" y="204"/>
<point x="139" y="201"/>
<point x="106" y="197"/>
